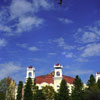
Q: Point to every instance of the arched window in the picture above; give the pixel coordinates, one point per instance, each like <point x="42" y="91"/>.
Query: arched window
<point x="30" y="74"/>
<point x="58" y="73"/>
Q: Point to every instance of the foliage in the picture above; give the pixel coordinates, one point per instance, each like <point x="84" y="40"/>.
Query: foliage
<point x="93" y="94"/>
<point x="10" y="92"/>
<point x="98" y="83"/>
<point x="77" y="90"/>
<point x="91" y="82"/>
<point x="63" y="93"/>
<point x="39" y="95"/>
<point x="19" y="91"/>
<point x="28" y="95"/>
<point x="48" y="92"/>
<point x="4" y="85"/>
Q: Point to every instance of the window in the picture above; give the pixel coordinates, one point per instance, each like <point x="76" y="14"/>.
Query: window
<point x="30" y="74"/>
<point x="58" y="73"/>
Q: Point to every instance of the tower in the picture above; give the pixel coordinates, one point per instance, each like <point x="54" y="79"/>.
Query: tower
<point x="30" y="73"/>
<point x="57" y="76"/>
<point x="97" y="76"/>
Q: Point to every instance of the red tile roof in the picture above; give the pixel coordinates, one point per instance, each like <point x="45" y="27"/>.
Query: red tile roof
<point x="50" y="79"/>
<point x="45" y="78"/>
<point x="58" y="64"/>
<point x="68" y="79"/>
<point x="30" y="67"/>
<point x="98" y="72"/>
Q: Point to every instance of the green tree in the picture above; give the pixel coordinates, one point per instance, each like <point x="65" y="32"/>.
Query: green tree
<point x="77" y="90"/>
<point x="4" y="84"/>
<point x="38" y="95"/>
<point x="19" y="91"/>
<point x="98" y="83"/>
<point x="63" y="92"/>
<point x="93" y="94"/>
<point x="28" y="95"/>
<point x="48" y="92"/>
<point x="91" y="82"/>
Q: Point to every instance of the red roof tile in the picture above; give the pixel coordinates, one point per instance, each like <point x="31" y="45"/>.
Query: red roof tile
<point x="68" y="79"/>
<point x="30" y="67"/>
<point x="49" y="79"/>
<point x="98" y="72"/>
<point x="58" y="64"/>
<point x="45" y="78"/>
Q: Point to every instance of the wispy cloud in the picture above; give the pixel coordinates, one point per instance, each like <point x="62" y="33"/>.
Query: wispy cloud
<point x="79" y="72"/>
<point x="65" y="20"/>
<point x="3" y="42"/>
<point x="33" y="48"/>
<point x="69" y="55"/>
<point x="91" y="50"/>
<point x="51" y="53"/>
<point x="30" y="48"/>
<point x="23" y="15"/>
<point x="9" y="68"/>
<point x="61" y="43"/>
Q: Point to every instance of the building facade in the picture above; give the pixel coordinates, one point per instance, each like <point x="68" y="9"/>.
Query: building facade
<point x="52" y="79"/>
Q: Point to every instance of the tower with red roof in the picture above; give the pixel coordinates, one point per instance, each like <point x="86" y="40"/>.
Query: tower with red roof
<point x="97" y="76"/>
<point x="30" y="73"/>
<point x="57" y="75"/>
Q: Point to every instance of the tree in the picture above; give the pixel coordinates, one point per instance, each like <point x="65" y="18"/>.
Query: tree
<point x="98" y="83"/>
<point x="77" y="90"/>
<point x="19" y="91"/>
<point x="4" y="84"/>
<point x="10" y="92"/>
<point x="93" y="94"/>
<point x="38" y="95"/>
<point x="63" y="92"/>
<point x="28" y="95"/>
<point x="48" y="92"/>
<point x="91" y="82"/>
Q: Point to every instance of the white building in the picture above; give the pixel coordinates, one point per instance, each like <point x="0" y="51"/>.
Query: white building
<point x="97" y="76"/>
<point x="53" y="79"/>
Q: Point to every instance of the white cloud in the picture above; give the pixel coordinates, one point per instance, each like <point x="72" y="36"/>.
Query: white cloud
<point x="90" y="37"/>
<point x="30" y="48"/>
<point x="24" y="45"/>
<point x="42" y="3"/>
<point x="69" y="55"/>
<point x="91" y="50"/>
<point x="9" y="68"/>
<point x="51" y="53"/>
<point x="20" y="7"/>
<point x="26" y="23"/>
<point x="66" y="20"/>
<point x="33" y="48"/>
<point x="5" y="28"/>
<point x="81" y="59"/>
<point x="3" y="42"/>
<point x="61" y="43"/>
<point x="79" y="72"/>
<point x="23" y="15"/>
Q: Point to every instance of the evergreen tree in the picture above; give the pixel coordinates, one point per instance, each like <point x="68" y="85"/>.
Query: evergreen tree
<point x="91" y="82"/>
<point x="77" y="90"/>
<point x="19" y="91"/>
<point x="48" y="92"/>
<point x="98" y="83"/>
<point x="39" y="95"/>
<point x="63" y="93"/>
<point x="28" y="95"/>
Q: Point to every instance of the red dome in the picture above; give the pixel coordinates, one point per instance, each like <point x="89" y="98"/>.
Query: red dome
<point x="98" y="72"/>
<point x="30" y="67"/>
<point x="58" y="64"/>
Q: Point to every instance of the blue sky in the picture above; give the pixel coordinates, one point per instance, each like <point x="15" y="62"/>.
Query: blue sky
<point x="42" y="33"/>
